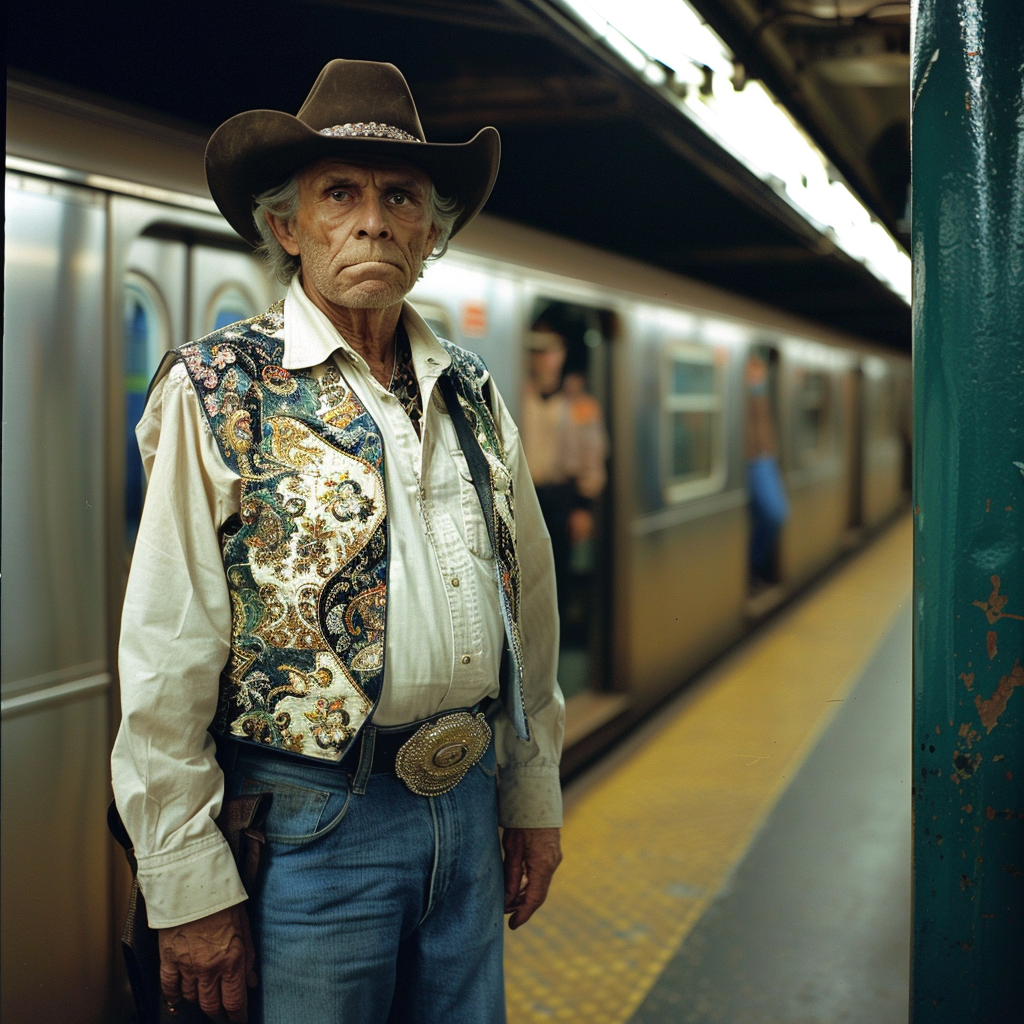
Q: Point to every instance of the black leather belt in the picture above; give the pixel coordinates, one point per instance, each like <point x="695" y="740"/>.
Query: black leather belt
<point x="386" y="744"/>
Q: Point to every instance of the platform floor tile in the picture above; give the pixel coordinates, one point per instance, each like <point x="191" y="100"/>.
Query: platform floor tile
<point x="650" y="846"/>
<point x="814" y="925"/>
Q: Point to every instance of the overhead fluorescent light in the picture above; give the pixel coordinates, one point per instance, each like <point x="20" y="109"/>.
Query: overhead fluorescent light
<point x="670" y="46"/>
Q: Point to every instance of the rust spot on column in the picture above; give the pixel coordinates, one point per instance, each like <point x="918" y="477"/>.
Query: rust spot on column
<point x="990" y="644"/>
<point x="991" y="813"/>
<point x="993" y="607"/>
<point x="965" y="764"/>
<point x="990" y="710"/>
<point x="968" y="678"/>
<point x="965" y="732"/>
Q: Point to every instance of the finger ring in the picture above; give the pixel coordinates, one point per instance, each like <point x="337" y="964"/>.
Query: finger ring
<point x="171" y="1007"/>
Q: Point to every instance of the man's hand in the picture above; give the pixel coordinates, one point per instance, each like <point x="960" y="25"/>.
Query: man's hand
<point x="210" y="962"/>
<point x="531" y="856"/>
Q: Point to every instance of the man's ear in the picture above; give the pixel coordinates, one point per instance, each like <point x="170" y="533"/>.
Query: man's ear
<point x="283" y="233"/>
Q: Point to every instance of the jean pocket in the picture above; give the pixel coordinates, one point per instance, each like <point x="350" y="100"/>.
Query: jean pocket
<point x="298" y="814"/>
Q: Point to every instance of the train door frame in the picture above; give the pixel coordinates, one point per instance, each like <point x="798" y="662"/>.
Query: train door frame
<point x="58" y="680"/>
<point x="603" y="658"/>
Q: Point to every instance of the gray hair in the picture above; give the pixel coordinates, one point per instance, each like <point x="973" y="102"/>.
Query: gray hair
<point x="283" y="202"/>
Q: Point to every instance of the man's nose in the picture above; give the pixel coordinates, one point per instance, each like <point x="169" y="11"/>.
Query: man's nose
<point x="372" y="221"/>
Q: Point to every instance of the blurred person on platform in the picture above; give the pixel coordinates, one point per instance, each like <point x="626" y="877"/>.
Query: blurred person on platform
<point x="566" y="445"/>
<point x="323" y="607"/>
<point x="769" y="508"/>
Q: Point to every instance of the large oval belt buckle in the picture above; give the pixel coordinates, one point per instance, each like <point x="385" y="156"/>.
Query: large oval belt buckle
<point x="436" y="757"/>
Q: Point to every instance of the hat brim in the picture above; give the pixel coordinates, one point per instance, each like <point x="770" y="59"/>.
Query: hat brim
<point x="260" y="149"/>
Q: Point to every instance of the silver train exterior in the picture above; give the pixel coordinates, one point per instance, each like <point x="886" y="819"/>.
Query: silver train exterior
<point x="115" y="253"/>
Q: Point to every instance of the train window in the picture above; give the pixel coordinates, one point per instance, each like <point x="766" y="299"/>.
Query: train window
<point x="146" y="338"/>
<point x="692" y="417"/>
<point x="230" y="303"/>
<point x="813" y="409"/>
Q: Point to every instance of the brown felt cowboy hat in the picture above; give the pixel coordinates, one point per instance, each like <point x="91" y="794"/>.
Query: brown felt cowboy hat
<point x="356" y="110"/>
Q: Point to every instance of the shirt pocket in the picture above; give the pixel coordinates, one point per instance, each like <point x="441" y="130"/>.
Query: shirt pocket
<point x="473" y="525"/>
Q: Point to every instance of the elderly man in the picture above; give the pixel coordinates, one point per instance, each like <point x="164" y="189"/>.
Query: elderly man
<point x="321" y="607"/>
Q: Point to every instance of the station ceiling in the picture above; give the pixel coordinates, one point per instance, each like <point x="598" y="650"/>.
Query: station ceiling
<point x="588" y="151"/>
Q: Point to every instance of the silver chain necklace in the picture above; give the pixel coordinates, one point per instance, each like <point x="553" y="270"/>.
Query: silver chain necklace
<point x="394" y="360"/>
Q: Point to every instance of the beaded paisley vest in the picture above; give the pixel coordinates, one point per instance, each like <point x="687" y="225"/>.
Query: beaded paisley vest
<point x="306" y="557"/>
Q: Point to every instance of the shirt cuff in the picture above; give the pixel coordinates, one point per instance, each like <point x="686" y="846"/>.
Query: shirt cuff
<point x="529" y="796"/>
<point x="187" y="885"/>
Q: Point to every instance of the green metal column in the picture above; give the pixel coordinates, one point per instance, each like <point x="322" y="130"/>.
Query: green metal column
<point x="968" y="213"/>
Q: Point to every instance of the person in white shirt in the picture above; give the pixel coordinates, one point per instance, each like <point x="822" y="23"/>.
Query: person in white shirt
<point x="566" y="447"/>
<point x="342" y="594"/>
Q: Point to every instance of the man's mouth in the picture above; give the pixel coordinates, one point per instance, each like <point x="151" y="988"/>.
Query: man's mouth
<point x="371" y="261"/>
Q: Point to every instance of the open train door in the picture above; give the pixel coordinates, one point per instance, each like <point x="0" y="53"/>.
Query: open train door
<point x="853" y="403"/>
<point x="564" y="422"/>
<point x="769" y="507"/>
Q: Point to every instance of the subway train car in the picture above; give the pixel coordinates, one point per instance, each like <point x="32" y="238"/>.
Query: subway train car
<point x="115" y="253"/>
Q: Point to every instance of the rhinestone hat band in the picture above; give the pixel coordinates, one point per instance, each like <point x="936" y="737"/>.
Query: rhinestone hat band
<point x="368" y="130"/>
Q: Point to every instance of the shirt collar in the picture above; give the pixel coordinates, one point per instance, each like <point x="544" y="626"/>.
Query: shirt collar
<point x="311" y="339"/>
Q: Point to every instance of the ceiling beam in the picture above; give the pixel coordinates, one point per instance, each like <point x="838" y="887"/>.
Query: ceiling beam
<point x="756" y="38"/>
<point x="450" y="12"/>
<point x="743" y="255"/>
<point x="507" y="100"/>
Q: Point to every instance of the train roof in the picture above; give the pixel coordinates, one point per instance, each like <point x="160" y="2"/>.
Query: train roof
<point x="76" y="131"/>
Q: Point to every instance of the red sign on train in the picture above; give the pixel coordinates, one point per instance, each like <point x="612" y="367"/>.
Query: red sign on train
<point x="474" y="319"/>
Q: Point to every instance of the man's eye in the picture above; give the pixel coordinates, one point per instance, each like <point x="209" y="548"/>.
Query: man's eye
<point x="399" y="199"/>
<point x="339" y="194"/>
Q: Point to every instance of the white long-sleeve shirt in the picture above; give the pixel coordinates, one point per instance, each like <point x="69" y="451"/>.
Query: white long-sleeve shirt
<point x="444" y="638"/>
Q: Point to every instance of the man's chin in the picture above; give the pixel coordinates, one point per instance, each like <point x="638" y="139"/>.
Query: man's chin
<point x="381" y="299"/>
<point x="369" y="295"/>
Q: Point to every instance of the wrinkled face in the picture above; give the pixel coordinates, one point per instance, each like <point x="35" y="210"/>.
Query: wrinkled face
<point x="362" y="232"/>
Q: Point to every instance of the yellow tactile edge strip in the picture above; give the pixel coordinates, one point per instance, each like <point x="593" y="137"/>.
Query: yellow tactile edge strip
<point x="649" y="847"/>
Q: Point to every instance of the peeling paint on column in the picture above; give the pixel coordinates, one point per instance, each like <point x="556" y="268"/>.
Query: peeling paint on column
<point x="993" y="607"/>
<point x="992" y="643"/>
<point x="990" y="710"/>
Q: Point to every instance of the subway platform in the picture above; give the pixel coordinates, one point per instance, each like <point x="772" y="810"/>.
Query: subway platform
<point x="745" y="857"/>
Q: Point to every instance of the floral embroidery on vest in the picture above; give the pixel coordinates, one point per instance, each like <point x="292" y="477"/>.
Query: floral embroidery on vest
<point x="305" y="558"/>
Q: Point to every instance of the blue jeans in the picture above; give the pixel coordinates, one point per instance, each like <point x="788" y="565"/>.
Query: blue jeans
<point x="375" y="908"/>
<point x="769" y="509"/>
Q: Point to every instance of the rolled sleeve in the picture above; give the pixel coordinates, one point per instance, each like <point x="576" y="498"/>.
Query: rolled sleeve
<point x="175" y="640"/>
<point x="529" y="791"/>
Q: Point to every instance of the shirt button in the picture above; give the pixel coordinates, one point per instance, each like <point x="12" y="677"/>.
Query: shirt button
<point x="466" y="659"/>
<point x="455" y="581"/>
<point x="433" y="362"/>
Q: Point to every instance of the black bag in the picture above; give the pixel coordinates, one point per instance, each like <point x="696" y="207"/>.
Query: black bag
<point x="241" y="821"/>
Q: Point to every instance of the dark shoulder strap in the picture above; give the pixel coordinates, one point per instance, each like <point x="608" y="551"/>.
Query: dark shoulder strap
<point x="475" y="457"/>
